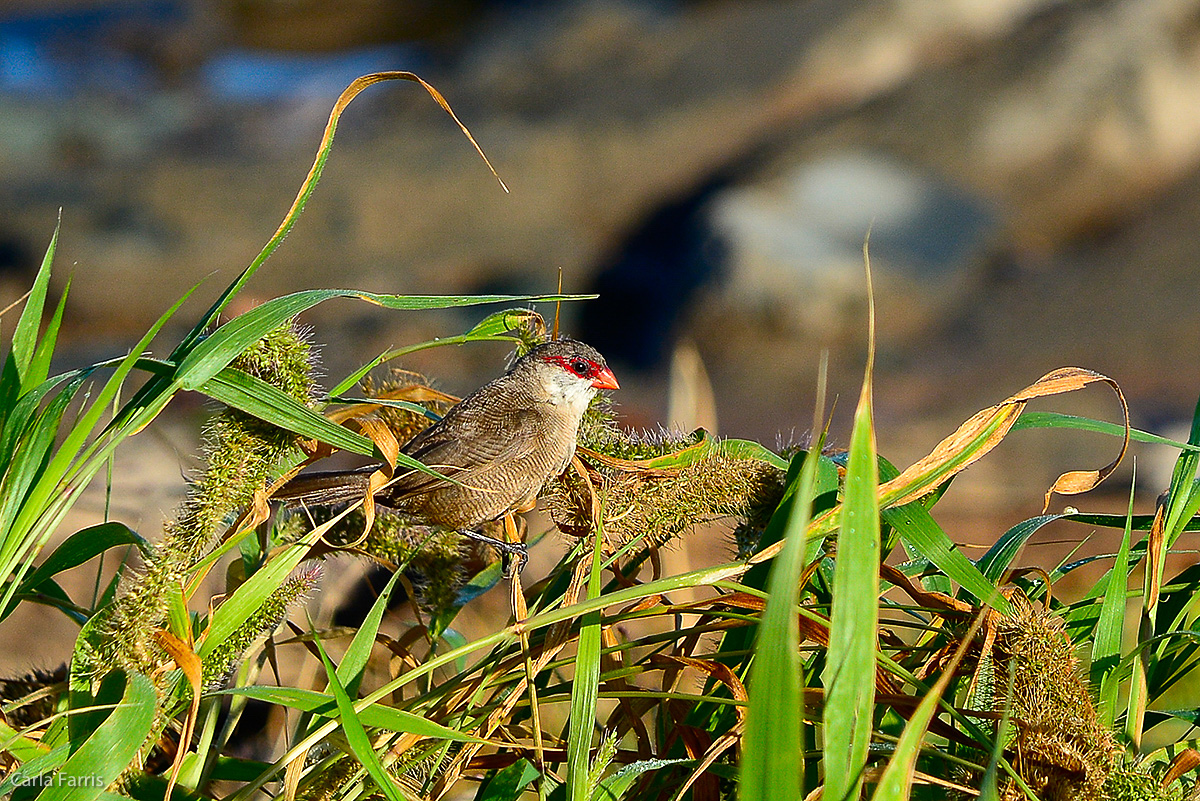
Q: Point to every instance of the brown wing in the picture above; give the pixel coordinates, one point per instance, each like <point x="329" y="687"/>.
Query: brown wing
<point x="470" y="439"/>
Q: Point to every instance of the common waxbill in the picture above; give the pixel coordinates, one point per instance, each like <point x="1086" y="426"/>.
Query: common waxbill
<point x="501" y="443"/>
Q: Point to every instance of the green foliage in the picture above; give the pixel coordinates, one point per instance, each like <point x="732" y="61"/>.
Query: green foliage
<point x="834" y="652"/>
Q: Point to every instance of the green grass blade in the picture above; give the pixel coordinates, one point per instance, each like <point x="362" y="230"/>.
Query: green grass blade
<point x="214" y="353"/>
<point x="82" y="546"/>
<point x="356" y="735"/>
<point x="509" y="783"/>
<point x="617" y="786"/>
<point x="39" y="366"/>
<point x="21" y="747"/>
<point x="1057" y="420"/>
<point x="772" y="747"/>
<point x="354" y="661"/>
<point x="15" y="377"/>
<point x="585" y="687"/>
<point x="34" y="763"/>
<point x="922" y="533"/>
<point x="999" y="558"/>
<point x="1106" y="643"/>
<point x="849" y="675"/>
<point x="25" y="410"/>
<point x="258" y="398"/>
<point x="27" y="462"/>
<point x="374" y="715"/>
<point x="74" y="551"/>
<point x="747" y="449"/>
<point x="103" y="756"/>
<point x="1183" y="499"/>
<point x="255" y="396"/>
<point x="247" y="598"/>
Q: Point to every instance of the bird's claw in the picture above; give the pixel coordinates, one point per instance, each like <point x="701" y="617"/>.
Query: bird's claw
<point x="506" y="549"/>
<point x="522" y="555"/>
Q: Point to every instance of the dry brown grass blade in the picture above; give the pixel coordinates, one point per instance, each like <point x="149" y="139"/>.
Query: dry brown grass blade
<point x="924" y="597"/>
<point x="1156" y="550"/>
<point x="351" y="92"/>
<point x="723" y="674"/>
<point x="187" y="660"/>
<point x="716" y="670"/>
<point x="1021" y="572"/>
<point x="386" y="442"/>
<point x="594" y="502"/>
<point x="25" y="297"/>
<point x="291" y="777"/>
<point x="723" y="744"/>
<point x="1184" y="762"/>
<point x="414" y="393"/>
<point x="963" y="447"/>
<point x="557" y="638"/>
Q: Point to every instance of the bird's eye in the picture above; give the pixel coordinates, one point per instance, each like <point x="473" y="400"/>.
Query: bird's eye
<point x="580" y="367"/>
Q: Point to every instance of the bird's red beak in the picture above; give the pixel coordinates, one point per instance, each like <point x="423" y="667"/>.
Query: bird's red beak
<point x="605" y="380"/>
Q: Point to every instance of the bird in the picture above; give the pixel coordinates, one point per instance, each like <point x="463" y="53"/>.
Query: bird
<point x="501" y="445"/>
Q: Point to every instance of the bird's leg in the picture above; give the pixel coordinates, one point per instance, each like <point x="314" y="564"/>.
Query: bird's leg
<point x="517" y="549"/>
<point x="513" y="535"/>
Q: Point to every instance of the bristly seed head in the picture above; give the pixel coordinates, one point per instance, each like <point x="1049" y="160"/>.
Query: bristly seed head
<point x="654" y="508"/>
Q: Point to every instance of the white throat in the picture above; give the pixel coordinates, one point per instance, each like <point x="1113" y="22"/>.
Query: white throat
<point x="574" y="394"/>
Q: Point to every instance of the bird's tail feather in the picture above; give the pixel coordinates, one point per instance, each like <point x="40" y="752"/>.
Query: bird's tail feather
<point x="327" y="488"/>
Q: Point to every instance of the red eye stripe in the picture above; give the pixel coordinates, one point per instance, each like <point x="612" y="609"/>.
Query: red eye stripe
<point x="577" y="365"/>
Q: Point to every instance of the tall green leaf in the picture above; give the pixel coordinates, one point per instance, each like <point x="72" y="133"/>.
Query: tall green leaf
<point x="772" y="748"/>
<point x="849" y="675"/>
<point x="585" y="687"/>
<point x="103" y="756"/>
<point x="1106" y="644"/>
<point x="16" y="376"/>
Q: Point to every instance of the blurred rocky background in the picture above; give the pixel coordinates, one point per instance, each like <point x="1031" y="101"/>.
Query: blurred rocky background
<point x="1027" y="169"/>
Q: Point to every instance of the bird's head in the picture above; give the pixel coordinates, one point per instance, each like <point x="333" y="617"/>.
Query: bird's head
<point x="570" y="371"/>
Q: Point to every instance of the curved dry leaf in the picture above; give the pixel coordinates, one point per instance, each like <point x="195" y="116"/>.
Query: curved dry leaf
<point x="1156" y="548"/>
<point x="594" y="501"/>
<point x="187" y="660"/>
<point x="386" y="442"/>
<point x="984" y="430"/>
<point x="1183" y="763"/>
<point x="717" y="671"/>
<point x="383" y="438"/>
<point x="351" y="92"/>
<point x="413" y="393"/>
<point x="969" y="443"/>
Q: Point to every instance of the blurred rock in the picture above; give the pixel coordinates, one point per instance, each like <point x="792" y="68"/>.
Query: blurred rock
<point x="1002" y="147"/>
<point x="798" y="243"/>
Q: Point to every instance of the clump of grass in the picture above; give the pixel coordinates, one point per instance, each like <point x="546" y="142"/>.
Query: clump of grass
<point x="242" y="452"/>
<point x="655" y="487"/>
<point x="1060" y="749"/>
<point x="294" y="591"/>
<point x="613" y="686"/>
